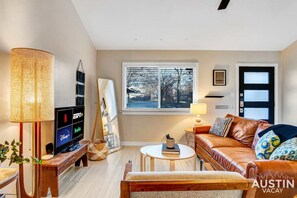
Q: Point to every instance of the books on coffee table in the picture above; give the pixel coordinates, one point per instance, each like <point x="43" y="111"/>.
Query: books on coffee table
<point x="173" y="151"/>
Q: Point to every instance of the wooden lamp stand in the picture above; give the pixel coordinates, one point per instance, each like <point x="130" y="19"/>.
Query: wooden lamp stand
<point x="37" y="153"/>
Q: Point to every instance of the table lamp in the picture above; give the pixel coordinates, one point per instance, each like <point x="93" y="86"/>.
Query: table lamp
<point x="198" y="109"/>
<point x="31" y="101"/>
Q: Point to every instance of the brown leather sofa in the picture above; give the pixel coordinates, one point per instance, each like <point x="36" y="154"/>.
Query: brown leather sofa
<point x="236" y="153"/>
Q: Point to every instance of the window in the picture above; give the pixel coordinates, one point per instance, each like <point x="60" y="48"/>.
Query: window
<point x="159" y="86"/>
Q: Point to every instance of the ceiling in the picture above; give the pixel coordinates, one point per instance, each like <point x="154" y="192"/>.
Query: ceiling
<point x="189" y="24"/>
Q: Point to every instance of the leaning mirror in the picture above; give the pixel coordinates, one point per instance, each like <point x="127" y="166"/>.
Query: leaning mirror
<point x="109" y="113"/>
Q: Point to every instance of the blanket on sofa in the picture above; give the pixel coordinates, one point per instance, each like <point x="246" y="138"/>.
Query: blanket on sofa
<point x="284" y="131"/>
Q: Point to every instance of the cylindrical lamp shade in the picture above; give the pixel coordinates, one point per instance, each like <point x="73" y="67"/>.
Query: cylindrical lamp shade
<point x="31" y="85"/>
<point x="198" y="108"/>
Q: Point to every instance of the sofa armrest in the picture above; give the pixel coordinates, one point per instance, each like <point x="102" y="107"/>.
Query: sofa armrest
<point x="285" y="167"/>
<point x="273" y="170"/>
<point x="201" y="129"/>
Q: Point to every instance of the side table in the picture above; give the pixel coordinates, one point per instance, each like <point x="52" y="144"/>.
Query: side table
<point x="8" y="175"/>
<point x="190" y="137"/>
<point x="52" y="168"/>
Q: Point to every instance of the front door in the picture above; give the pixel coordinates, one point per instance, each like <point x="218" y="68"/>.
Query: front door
<point x="256" y="93"/>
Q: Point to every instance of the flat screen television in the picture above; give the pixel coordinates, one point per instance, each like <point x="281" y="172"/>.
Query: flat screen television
<point x="69" y="128"/>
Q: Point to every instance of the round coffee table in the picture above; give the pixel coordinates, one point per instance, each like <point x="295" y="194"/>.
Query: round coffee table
<point x="143" y="157"/>
<point x="155" y="152"/>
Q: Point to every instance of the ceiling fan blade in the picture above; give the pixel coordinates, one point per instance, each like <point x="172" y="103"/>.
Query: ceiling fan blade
<point x="224" y="4"/>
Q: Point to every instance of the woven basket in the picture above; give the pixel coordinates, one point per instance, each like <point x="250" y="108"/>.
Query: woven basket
<point x="97" y="150"/>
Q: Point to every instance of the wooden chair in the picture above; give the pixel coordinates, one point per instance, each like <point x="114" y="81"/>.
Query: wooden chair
<point x="192" y="183"/>
<point x="8" y="175"/>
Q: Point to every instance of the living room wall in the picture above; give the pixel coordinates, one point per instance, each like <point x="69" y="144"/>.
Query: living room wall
<point x="137" y="129"/>
<point x="289" y="62"/>
<point x="53" y="26"/>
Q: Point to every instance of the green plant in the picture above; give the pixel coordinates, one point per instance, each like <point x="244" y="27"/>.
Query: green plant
<point x="14" y="156"/>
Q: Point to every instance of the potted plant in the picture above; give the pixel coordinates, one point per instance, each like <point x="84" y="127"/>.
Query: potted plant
<point x="14" y="157"/>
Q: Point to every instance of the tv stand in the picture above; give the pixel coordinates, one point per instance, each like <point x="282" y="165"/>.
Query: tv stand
<point x="51" y="169"/>
<point x="71" y="148"/>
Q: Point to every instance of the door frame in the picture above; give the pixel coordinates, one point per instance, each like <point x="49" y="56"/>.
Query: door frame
<point x="276" y="90"/>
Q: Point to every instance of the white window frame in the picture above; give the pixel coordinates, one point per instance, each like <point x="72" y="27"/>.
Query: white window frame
<point x="158" y="111"/>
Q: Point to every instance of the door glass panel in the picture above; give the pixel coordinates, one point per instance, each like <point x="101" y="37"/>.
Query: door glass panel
<point x="256" y="95"/>
<point x="256" y="78"/>
<point x="256" y="113"/>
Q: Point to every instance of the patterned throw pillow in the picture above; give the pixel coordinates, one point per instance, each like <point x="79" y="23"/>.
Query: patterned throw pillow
<point x="286" y="151"/>
<point x="266" y="145"/>
<point x="221" y="126"/>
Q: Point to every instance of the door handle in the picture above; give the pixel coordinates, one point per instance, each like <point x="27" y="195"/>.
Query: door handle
<point x="241" y="104"/>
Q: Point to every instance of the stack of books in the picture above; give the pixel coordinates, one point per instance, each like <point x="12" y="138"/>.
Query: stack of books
<point x="173" y="151"/>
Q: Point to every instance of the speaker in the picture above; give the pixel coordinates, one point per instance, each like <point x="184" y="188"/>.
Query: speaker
<point x="49" y="148"/>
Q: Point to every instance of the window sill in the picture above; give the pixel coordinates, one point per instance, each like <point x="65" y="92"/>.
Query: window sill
<point x="156" y="113"/>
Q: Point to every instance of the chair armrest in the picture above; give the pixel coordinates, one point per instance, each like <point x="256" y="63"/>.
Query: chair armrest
<point x="128" y="168"/>
<point x="201" y="129"/>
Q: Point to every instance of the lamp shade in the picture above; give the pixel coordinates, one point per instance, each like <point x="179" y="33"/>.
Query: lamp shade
<point x="198" y="108"/>
<point x="31" y="85"/>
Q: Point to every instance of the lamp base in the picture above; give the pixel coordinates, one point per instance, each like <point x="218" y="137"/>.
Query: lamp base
<point x="198" y="122"/>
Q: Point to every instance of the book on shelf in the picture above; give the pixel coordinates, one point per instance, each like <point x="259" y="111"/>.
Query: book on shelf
<point x="175" y="150"/>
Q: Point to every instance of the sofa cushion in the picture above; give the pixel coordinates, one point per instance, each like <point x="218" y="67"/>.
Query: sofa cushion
<point x="234" y="159"/>
<point x="209" y="141"/>
<point x="266" y="145"/>
<point x="243" y="129"/>
<point x="182" y="175"/>
<point x="286" y="151"/>
<point x="221" y="126"/>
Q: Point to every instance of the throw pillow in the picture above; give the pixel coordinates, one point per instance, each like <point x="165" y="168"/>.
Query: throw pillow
<point x="261" y="127"/>
<point x="221" y="127"/>
<point x="286" y="151"/>
<point x="266" y="145"/>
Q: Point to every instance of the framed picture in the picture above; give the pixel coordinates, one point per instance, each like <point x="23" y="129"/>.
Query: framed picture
<point x="219" y="77"/>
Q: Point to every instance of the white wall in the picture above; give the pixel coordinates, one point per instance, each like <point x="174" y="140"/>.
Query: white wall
<point x="145" y="128"/>
<point x="54" y="26"/>
<point x="289" y="62"/>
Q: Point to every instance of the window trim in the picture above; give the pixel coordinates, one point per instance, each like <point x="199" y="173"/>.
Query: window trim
<point x="159" y="111"/>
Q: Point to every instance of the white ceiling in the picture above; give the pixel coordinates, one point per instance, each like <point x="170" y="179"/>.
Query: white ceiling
<point x="189" y="24"/>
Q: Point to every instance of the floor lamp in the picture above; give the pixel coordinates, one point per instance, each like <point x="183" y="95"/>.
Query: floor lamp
<point x="31" y="101"/>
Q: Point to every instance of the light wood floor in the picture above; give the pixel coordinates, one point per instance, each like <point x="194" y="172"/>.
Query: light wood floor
<point x="101" y="179"/>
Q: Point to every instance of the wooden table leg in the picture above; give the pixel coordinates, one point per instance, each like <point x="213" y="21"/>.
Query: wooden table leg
<point x="50" y="179"/>
<point x="172" y="165"/>
<point x="17" y="188"/>
<point x="84" y="160"/>
<point x="141" y="162"/>
<point x="201" y="164"/>
<point x="194" y="162"/>
<point x="152" y="165"/>
<point x="144" y="162"/>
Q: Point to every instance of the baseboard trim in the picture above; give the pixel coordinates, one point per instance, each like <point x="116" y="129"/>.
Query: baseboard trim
<point x="139" y="143"/>
<point x="124" y="143"/>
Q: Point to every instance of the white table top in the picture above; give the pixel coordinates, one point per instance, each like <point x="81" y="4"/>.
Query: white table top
<point x="155" y="151"/>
